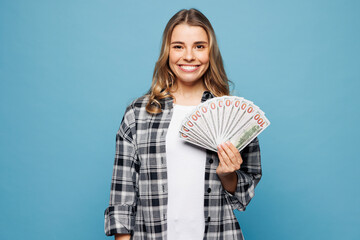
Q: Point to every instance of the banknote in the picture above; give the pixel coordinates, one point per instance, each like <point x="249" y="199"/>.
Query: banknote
<point x="220" y="119"/>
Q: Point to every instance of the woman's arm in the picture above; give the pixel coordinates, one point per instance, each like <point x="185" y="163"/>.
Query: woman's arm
<point x="229" y="182"/>
<point x="239" y="173"/>
<point x="122" y="236"/>
<point x="121" y="213"/>
<point x="230" y="162"/>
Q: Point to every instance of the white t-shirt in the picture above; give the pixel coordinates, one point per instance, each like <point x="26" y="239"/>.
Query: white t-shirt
<point x="186" y="173"/>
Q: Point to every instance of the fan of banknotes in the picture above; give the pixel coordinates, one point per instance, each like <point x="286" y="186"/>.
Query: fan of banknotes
<point x="221" y="119"/>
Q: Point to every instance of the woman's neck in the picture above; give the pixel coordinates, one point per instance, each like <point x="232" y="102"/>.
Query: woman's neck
<point x="188" y="94"/>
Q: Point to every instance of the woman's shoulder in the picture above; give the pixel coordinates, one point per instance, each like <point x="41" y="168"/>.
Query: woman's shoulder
<point x="137" y="106"/>
<point x="139" y="102"/>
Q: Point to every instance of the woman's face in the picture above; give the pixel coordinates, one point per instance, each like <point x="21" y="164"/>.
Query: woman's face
<point x="189" y="53"/>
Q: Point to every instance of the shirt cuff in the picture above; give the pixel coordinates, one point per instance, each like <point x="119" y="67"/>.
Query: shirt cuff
<point x="243" y="194"/>
<point x="119" y="219"/>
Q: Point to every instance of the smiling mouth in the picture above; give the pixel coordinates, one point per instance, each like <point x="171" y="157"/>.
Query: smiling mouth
<point x="189" y="68"/>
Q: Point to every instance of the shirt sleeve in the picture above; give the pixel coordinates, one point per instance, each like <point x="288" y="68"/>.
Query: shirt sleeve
<point x="248" y="176"/>
<point x="120" y="215"/>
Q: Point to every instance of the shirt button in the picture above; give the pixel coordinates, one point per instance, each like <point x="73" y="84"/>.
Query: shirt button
<point x="211" y="161"/>
<point x="209" y="218"/>
<point x="209" y="190"/>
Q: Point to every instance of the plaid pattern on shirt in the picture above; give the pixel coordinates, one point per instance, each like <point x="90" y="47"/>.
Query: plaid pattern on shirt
<point x="138" y="197"/>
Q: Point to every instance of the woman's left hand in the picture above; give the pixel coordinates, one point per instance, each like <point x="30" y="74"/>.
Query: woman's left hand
<point x="230" y="159"/>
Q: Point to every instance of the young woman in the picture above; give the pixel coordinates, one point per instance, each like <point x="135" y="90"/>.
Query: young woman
<point x="162" y="187"/>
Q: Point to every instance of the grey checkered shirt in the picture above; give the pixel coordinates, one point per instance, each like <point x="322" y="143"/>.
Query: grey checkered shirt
<point x="139" y="189"/>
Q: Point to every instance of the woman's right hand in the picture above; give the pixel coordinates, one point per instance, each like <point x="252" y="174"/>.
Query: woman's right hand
<point x="122" y="236"/>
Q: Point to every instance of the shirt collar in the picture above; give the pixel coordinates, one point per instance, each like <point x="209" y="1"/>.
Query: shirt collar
<point x="206" y="95"/>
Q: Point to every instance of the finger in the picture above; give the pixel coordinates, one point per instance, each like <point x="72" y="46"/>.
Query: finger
<point x="220" y="159"/>
<point x="222" y="156"/>
<point x="234" y="155"/>
<point x="233" y="148"/>
<point x="235" y="151"/>
<point x="230" y="154"/>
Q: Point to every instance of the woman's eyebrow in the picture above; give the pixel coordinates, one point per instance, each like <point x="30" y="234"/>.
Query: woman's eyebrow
<point x="198" y="42"/>
<point x="201" y="42"/>
<point x="177" y="42"/>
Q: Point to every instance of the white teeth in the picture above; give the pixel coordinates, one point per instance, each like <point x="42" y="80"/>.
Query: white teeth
<point x="189" y="67"/>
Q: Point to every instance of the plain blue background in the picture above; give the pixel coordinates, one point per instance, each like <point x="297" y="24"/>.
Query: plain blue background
<point x="69" y="68"/>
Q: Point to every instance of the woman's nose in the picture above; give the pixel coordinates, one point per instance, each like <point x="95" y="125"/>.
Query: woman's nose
<point x="189" y="55"/>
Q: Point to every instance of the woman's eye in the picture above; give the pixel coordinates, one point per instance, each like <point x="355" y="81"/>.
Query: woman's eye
<point x="200" y="46"/>
<point x="177" y="47"/>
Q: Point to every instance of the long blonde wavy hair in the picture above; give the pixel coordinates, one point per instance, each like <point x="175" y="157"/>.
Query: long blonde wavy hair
<point x="215" y="79"/>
